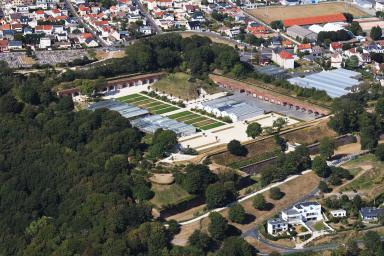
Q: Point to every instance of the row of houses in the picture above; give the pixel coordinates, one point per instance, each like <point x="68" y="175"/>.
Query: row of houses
<point x="31" y="26"/>
<point x="301" y="213"/>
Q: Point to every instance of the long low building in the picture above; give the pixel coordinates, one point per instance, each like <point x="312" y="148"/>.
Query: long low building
<point x="150" y="124"/>
<point x="232" y="107"/>
<point x="336" y="83"/>
<point x="125" y="110"/>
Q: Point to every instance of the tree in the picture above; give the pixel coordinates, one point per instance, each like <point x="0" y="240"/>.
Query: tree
<point x="65" y="104"/>
<point x="196" y="179"/>
<point x="281" y="142"/>
<point x="235" y="148"/>
<point x="237" y="213"/>
<point x="163" y="141"/>
<point x="372" y="243"/>
<point x="355" y="28"/>
<point x="235" y="246"/>
<point x="200" y="240"/>
<point x="369" y="132"/>
<point x="379" y="108"/>
<point x="218" y="226"/>
<point x="326" y="147"/>
<point x="376" y="33"/>
<point x="218" y="195"/>
<point x="279" y="123"/>
<point x="348" y="17"/>
<point x="9" y="104"/>
<point x="277" y="24"/>
<point x="239" y="70"/>
<point x="380" y="152"/>
<point x="352" y="62"/>
<point x="254" y="130"/>
<point x="259" y="202"/>
<point x="275" y="193"/>
<point x="346" y="112"/>
<point x="323" y="187"/>
<point x="319" y="165"/>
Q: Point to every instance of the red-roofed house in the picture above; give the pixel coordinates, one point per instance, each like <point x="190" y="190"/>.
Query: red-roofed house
<point x="314" y="20"/>
<point x="303" y="48"/>
<point x="287" y="44"/>
<point x="46" y="29"/>
<point x="335" y="47"/>
<point x="283" y="58"/>
<point x="3" y="45"/>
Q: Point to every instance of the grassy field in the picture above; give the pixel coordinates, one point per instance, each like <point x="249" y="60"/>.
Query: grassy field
<point x="370" y="175"/>
<point x="168" y="195"/>
<point x="197" y="120"/>
<point x="181" y="86"/>
<point x="154" y="106"/>
<point x="303" y="11"/>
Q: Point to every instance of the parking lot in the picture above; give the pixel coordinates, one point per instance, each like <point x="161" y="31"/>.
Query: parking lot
<point x="61" y="56"/>
<point x="16" y="59"/>
<point x="20" y="59"/>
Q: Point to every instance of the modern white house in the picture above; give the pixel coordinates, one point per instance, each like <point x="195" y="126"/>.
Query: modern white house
<point x="302" y="212"/>
<point x="340" y="213"/>
<point x="276" y="226"/>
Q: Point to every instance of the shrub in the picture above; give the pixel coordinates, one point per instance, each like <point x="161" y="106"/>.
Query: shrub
<point x="275" y="193"/>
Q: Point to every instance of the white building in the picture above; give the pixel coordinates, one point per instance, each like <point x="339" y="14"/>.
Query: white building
<point x="302" y="212"/>
<point x="340" y="213"/>
<point x="45" y="42"/>
<point x="284" y="59"/>
<point x="276" y="226"/>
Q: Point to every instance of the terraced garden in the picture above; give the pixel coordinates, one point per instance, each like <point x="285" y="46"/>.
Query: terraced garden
<point x="154" y="106"/>
<point x="197" y="120"/>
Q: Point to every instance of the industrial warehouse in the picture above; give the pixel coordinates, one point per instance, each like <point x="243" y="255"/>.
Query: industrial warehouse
<point x="336" y="82"/>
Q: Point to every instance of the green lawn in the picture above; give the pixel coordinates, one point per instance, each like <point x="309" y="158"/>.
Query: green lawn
<point x="154" y="106"/>
<point x="158" y="107"/>
<point x="211" y="126"/>
<point x="182" y="86"/>
<point x="318" y="226"/>
<point x="168" y="195"/>
<point x="180" y="114"/>
<point x="371" y="179"/>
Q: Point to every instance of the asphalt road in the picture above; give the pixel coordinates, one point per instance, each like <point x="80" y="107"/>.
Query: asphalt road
<point x="148" y="16"/>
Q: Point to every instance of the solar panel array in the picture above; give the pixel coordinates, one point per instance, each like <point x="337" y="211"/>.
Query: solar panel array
<point x="151" y="123"/>
<point x="336" y="82"/>
<point x="125" y="110"/>
<point x="232" y="105"/>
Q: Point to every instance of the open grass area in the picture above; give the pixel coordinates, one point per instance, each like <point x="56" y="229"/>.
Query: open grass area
<point x="311" y="134"/>
<point x="370" y="175"/>
<point x="197" y="120"/>
<point x="154" y="106"/>
<point x="168" y="195"/>
<point x="303" y="11"/>
<point x="318" y="226"/>
<point x="183" y="86"/>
